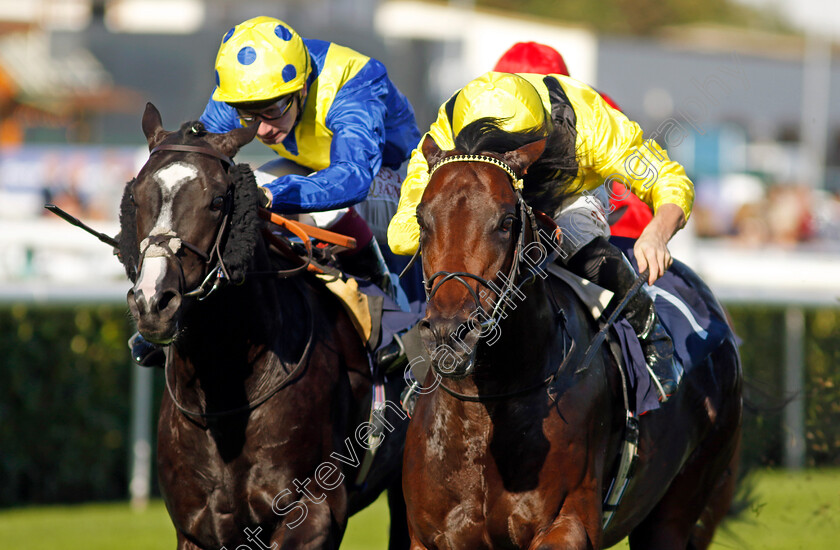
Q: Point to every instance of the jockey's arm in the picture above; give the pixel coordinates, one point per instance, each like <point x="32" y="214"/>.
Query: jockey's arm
<point x="403" y="231"/>
<point x="651" y="248"/>
<point x="357" y="120"/>
<point x="621" y="153"/>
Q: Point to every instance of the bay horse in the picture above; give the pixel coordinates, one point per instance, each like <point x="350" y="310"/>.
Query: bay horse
<point x="268" y="382"/>
<point x="516" y="446"/>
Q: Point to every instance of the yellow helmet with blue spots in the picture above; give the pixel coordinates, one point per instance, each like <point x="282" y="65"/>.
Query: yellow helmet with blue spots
<point x="508" y="97"/>
<point x="259" y="59"/>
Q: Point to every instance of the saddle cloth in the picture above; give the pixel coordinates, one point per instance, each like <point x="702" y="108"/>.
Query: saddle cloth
<point x="696" y="327"/>
<point x="375" y="315"/>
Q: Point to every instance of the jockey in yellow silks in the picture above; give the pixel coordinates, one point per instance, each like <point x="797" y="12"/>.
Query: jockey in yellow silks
<point x="608" y="146"/>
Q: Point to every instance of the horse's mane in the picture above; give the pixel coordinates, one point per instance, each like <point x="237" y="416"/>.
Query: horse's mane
<point x="547" y="181"/>
<point x="244" y="223"/>
<point x="244" y="220"/>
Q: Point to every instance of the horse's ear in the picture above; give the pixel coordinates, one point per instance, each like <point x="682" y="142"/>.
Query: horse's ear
<point x="232" y="141"/>
<point x="431" y="151"/>
<point x="525" y="156"/>
<point x="152" y="126"/>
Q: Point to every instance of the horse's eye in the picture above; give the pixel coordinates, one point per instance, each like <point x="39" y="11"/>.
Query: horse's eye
<point x="217" y="203"/>
<point x="131" y="199"/>
<point x="507" y="223"/>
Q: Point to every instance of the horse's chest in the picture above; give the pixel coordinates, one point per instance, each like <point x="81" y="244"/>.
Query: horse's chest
<point x="206" y="486"/>
<point x="501" y="521"/>
<point x="488" y="487"/>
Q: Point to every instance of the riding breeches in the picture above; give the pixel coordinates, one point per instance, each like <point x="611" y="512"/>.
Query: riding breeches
<point x="581" y="218"/>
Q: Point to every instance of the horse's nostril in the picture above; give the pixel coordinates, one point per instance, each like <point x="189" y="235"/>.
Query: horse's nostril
<point x="165" y="300"/>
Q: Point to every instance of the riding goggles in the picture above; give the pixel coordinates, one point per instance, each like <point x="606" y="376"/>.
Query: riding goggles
<point x="274" y="112"/>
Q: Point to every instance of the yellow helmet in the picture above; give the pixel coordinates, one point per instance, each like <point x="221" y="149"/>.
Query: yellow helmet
<point x="259" y="59"/>
<point x="505" y="96"/>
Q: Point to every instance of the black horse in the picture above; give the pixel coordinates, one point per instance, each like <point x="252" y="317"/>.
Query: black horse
<point x="262" y="432"/>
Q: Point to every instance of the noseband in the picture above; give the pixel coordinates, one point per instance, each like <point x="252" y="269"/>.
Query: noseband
<point x="169" y="244"/>
<point x="509" y="284"/>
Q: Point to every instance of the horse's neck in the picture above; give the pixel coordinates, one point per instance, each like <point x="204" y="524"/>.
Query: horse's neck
<point x="239" y="339"/>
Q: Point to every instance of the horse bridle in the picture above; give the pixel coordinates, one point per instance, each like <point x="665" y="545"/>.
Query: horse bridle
<point x="169" y="243"/>
<point x="509" y="286"/>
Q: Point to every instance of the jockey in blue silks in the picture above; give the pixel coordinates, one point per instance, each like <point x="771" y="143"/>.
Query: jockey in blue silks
<point x="343" y="129"/>
<point x="326" y="108"/>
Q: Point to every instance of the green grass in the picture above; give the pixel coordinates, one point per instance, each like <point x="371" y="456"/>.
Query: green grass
<point x="791" y="511"/>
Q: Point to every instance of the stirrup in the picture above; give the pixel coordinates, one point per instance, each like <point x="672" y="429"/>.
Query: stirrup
<point x="666" y="384"/>
<point x="408" y="397"/>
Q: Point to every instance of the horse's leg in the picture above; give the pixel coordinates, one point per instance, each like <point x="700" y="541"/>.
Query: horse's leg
<point x="320" y="529"/>
<point x="705" y="485"/>
<point x="415" y="544"/>
<point x="675" y="522"/>
<point x="398" y="538"/>
<point x="577" y="527"/>
<point x="566" y="533"/>
<point x="184" y="544"/>
<point x="718" y="506"/>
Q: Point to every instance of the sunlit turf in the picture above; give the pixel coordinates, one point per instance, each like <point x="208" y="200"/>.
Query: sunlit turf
<point x="790" y="511"/>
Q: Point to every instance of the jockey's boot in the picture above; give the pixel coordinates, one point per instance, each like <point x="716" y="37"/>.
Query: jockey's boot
<point x="390" y="357"/>
<point x="605" y="265"/>
<point x="368" y="263"/>
<point x="145" y="353"/>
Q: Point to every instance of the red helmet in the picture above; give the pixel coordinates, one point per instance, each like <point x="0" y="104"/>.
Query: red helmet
<point x="531" y="57"/>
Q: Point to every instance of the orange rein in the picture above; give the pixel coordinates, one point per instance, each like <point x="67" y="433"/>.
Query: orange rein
<point x="307" y="232"/>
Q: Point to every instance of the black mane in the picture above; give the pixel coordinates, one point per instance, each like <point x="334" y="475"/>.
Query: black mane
<point x="244" y="224"/>
<point x="548" y="180"/>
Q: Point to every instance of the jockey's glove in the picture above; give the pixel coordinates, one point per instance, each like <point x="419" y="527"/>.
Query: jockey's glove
<point x="265" y="197"/>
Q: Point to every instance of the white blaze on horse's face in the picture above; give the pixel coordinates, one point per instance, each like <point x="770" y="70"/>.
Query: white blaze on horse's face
<point x="153" y="270"/>
<point x="171" y="179"/>
<point x="150" y="277"/>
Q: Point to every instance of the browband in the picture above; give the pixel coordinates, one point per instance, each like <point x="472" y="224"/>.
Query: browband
<point x="226" y="160"/>
<point x="515" y="181"/>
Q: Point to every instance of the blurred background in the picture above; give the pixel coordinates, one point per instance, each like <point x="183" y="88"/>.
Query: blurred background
<point x="744" y="93"/>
